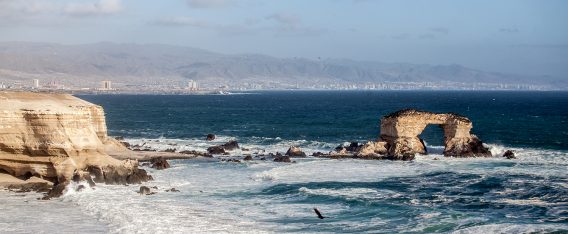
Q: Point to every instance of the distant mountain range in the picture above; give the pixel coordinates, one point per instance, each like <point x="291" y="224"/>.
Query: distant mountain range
<point x="152" y="62"/>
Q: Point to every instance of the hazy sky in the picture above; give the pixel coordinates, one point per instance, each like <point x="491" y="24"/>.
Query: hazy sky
<point x="515" y="36"/>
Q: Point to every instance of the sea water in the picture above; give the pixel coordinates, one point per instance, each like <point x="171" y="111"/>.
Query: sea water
<point x="429" y="194"/>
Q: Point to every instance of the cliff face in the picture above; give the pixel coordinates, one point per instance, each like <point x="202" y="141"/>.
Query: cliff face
<point x="56" y="136"/>
<point x="401" y="130"/>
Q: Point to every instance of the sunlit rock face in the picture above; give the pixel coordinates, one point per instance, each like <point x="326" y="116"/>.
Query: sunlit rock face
<point x="400" y="130"/>
<point x="55" y="136"/>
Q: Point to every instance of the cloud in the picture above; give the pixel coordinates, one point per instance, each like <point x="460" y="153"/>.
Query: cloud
<point x="20" y="9"/>
<point x="101" y="7"/>
<point x="209" y="3"/>
<point x="182" y="21"/>
<point x="509" y="30"/>
<point x="291" y="25"/>
<point x="285" y="19"/>
<point x="401" y="36"/>
<point x="440" y="30"/>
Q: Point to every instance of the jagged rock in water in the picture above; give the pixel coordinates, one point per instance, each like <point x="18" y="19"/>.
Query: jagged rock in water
<point x="210" y="137"/>
<point x="280" y="158"/>
<point x="54" y="136"/>
<point x="221" y="149"/>
<point x="231" y="145"/>
<point x="294" y="151"/>
<point x="247" y="158"/>
<point x="144" y="190"/>
<point x="318" y="154"/>
<point x="372" y="149"/>
<point x="174" y="190"/>
<point x="159" y="163"/>
<point x="342" y="152"/>
<point x="509" y="154"/>
<point x="400" y="131"/>
<point x="196" y="153"/>
<point x="216" y="150"/>
<point x="56" y="191"/>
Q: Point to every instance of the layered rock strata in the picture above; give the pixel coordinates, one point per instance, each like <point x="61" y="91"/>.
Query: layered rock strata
<point x="57" y="136"/>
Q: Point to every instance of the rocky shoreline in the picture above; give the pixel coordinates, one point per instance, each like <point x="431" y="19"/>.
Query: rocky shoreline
<point x="48" y="140"/>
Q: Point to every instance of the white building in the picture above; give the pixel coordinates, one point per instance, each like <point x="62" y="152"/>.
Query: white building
<point x="36" y="84"/>
<point x="192" y="85"/>
<point x="106" y="85"/>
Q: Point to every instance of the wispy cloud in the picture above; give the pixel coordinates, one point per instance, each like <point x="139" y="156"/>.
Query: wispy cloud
<point x="209" y="3"/>
<point x="182" y="21"/>
<point x="285" y="19"/>
<point x="440" y="30"/>
<point x="509" y="30"/>
<point x="291" y="25"/>
<point x="21" y="9"/>
<point x="100" y="7"/>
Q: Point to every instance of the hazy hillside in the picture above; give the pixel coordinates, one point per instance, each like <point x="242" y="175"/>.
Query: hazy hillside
<point x="143" y="63"/>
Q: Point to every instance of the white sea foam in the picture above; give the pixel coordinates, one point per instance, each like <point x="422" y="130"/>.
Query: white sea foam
<point x="214" y="196"/>
<point x="352" y="193"/>
<point x="513" y="228"/>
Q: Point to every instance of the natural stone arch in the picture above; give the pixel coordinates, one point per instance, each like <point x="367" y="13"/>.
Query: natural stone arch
<point x="400" y="130"/>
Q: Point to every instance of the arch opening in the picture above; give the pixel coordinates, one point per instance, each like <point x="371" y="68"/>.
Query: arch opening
<point x="433" y="139"/>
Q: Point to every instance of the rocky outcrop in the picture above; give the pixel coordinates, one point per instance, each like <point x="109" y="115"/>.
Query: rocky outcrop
<point x="210" y="137"/>
<point x="56" y="136"/>
<point x="373" y="149"/>
<point x="295" y="151"/>
<point x="509" y="155"/>
<point x="159" y="163"/>
<point x="221" y="149"/>
<point x="400" y="131"/>
<point x="280" y="158"/>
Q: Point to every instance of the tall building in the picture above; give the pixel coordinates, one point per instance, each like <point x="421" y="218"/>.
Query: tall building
<point x="36" y="84"/>
<point x="106" y="85"/>
<point x="192" y="85"/>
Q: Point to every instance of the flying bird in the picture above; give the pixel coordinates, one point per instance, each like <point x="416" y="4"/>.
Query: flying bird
<point x="318" y="213"/>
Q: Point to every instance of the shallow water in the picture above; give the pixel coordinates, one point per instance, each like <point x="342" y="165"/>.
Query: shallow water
<point x="430" y="194"/>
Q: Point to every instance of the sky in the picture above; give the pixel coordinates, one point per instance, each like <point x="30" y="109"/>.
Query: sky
<point x="527" y="37"/>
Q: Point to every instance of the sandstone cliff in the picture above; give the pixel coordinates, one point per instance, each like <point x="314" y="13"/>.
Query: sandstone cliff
<point x="58" y="136"/>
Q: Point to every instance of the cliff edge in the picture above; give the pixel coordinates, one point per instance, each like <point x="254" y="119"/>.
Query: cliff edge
<point x="59" y="137"/>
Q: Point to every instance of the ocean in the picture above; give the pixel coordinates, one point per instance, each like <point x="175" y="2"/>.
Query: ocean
<point x="429" y="194"/>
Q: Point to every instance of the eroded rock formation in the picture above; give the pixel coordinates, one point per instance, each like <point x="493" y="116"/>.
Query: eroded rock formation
<point x="400" y="131"/>
<point x="56" y="136"/>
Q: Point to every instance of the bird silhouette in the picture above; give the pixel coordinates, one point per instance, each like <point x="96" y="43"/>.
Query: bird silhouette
<point x="319" y="214"/>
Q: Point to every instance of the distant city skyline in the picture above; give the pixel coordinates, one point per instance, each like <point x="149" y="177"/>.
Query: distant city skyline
<point x="512" y="36"/>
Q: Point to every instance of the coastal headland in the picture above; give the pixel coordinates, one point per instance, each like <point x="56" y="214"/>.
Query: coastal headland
<point x="49" y="139"/>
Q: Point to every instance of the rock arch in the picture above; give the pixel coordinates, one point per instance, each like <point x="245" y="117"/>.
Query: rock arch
<point x="400" y="131"/>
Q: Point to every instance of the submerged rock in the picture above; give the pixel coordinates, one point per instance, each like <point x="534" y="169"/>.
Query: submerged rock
<point x="144" y="190"/>
<point x="221" y="149"/>
<point x="56" y="191"/>
<point x="294" y="151"/>
<point x="196" y="153"/>
<point x="216" y="150"/>
<point x="159" y="163"/>
<point x="231" y="145"/>
<point x="210" y="137"/>
<point x="172" y="190"/>
<point x="282" y="159"/>
<point x="247" y="158"/>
